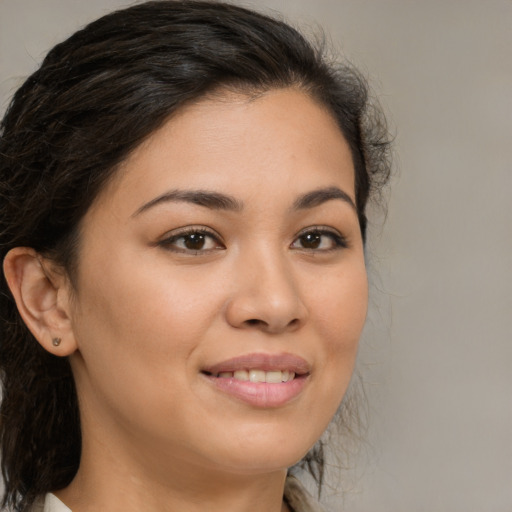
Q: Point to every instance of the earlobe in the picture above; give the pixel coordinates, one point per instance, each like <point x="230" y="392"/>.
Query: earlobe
<point x="42" y="298"/>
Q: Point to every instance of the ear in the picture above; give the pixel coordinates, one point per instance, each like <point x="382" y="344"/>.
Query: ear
<point x="42" y="295"/>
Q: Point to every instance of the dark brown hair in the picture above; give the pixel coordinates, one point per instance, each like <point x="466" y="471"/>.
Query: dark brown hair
<point x="94" y="99"/>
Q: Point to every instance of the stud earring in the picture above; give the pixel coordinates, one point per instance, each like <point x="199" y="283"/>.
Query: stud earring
<point x="56" y="342"/>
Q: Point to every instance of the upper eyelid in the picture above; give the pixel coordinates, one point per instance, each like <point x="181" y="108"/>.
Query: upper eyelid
<point x="324" y="230"/>
<point x="320" y="228"/>
<point x="177" y="233"/>
<point x="174" y="235"/>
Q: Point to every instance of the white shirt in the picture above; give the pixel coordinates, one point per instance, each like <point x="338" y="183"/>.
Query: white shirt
<point x="50" y="504"/>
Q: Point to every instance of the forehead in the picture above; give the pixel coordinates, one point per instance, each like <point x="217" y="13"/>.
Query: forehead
<point x="281" y="139"/>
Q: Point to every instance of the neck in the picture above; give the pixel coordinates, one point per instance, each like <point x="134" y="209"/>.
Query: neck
<point x="117" y="484"/>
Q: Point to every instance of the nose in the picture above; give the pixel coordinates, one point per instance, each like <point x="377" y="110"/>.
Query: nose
<point x="265" y="295"/>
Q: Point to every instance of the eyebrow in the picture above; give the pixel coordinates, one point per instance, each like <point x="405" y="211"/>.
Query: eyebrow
<point x="320" y="196"/>
<point x="219" y="201"/>
<point x="211" y="200"/>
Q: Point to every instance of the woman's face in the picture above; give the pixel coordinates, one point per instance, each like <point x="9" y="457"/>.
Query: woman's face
<point x="227" y="248"/>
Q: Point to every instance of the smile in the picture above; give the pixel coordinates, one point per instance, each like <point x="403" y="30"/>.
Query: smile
<point x="274" y="377"/>
<point x="260" y="380"/>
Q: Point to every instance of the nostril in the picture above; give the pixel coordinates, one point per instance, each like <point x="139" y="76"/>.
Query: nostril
<point x="253" y="321"/>
<point x="261" y="324"/>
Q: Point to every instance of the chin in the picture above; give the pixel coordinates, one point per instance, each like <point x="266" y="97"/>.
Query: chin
<point x="264" y="463"/>
<point x="264" y="451"/>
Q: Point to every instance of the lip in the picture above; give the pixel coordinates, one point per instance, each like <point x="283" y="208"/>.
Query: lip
<point x="261" y="361"/>
<point x="260" y="394"/>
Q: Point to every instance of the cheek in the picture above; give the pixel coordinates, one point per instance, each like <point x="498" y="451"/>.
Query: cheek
<point x="342" y="307"/>
<point x="138" y="327"/>
<point x="338" y="312"/>
<point x="138" y="343"/>
<point x="134" y="298"/>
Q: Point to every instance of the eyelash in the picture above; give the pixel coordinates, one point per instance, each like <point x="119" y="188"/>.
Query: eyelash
<point x="339" y="241"/>
<point x="169" y="242"/>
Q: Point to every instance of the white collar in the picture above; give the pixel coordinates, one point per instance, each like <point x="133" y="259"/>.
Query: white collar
<point x="53" y="504"/>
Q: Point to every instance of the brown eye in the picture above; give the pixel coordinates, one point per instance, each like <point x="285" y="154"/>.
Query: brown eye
<point x="319" y="240"/>
<point x="194" y="241"/>
<point x="311" y="240"/>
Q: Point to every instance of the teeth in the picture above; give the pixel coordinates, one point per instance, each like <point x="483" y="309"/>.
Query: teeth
<point x="256" y="375"/>
<point x="273" y="377"/>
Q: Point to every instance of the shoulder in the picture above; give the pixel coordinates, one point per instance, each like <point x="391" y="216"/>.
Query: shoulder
<point x="298" y="498"/>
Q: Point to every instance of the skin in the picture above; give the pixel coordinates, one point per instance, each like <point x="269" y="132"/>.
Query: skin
<point x="146" y="314"/>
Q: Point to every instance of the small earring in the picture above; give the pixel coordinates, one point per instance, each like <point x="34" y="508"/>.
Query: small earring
<point x="56" y="342"/>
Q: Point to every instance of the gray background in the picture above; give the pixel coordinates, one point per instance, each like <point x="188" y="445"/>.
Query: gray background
<point x="437" y="352"/>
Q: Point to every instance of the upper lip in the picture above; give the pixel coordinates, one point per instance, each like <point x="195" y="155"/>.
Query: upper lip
<point x="260" y="361"/>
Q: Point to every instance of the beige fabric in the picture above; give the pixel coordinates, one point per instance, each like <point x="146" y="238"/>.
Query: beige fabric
<point x="53" y="504"/>
<point x="298" y="498"/>
<point x="50" y="504"/>
<point x="295" y="495"/>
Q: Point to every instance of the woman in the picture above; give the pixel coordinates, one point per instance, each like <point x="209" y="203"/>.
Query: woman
<point x="182" y="228"/>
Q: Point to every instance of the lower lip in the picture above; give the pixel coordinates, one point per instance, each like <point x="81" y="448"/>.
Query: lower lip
<point x="260" y="394"/>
